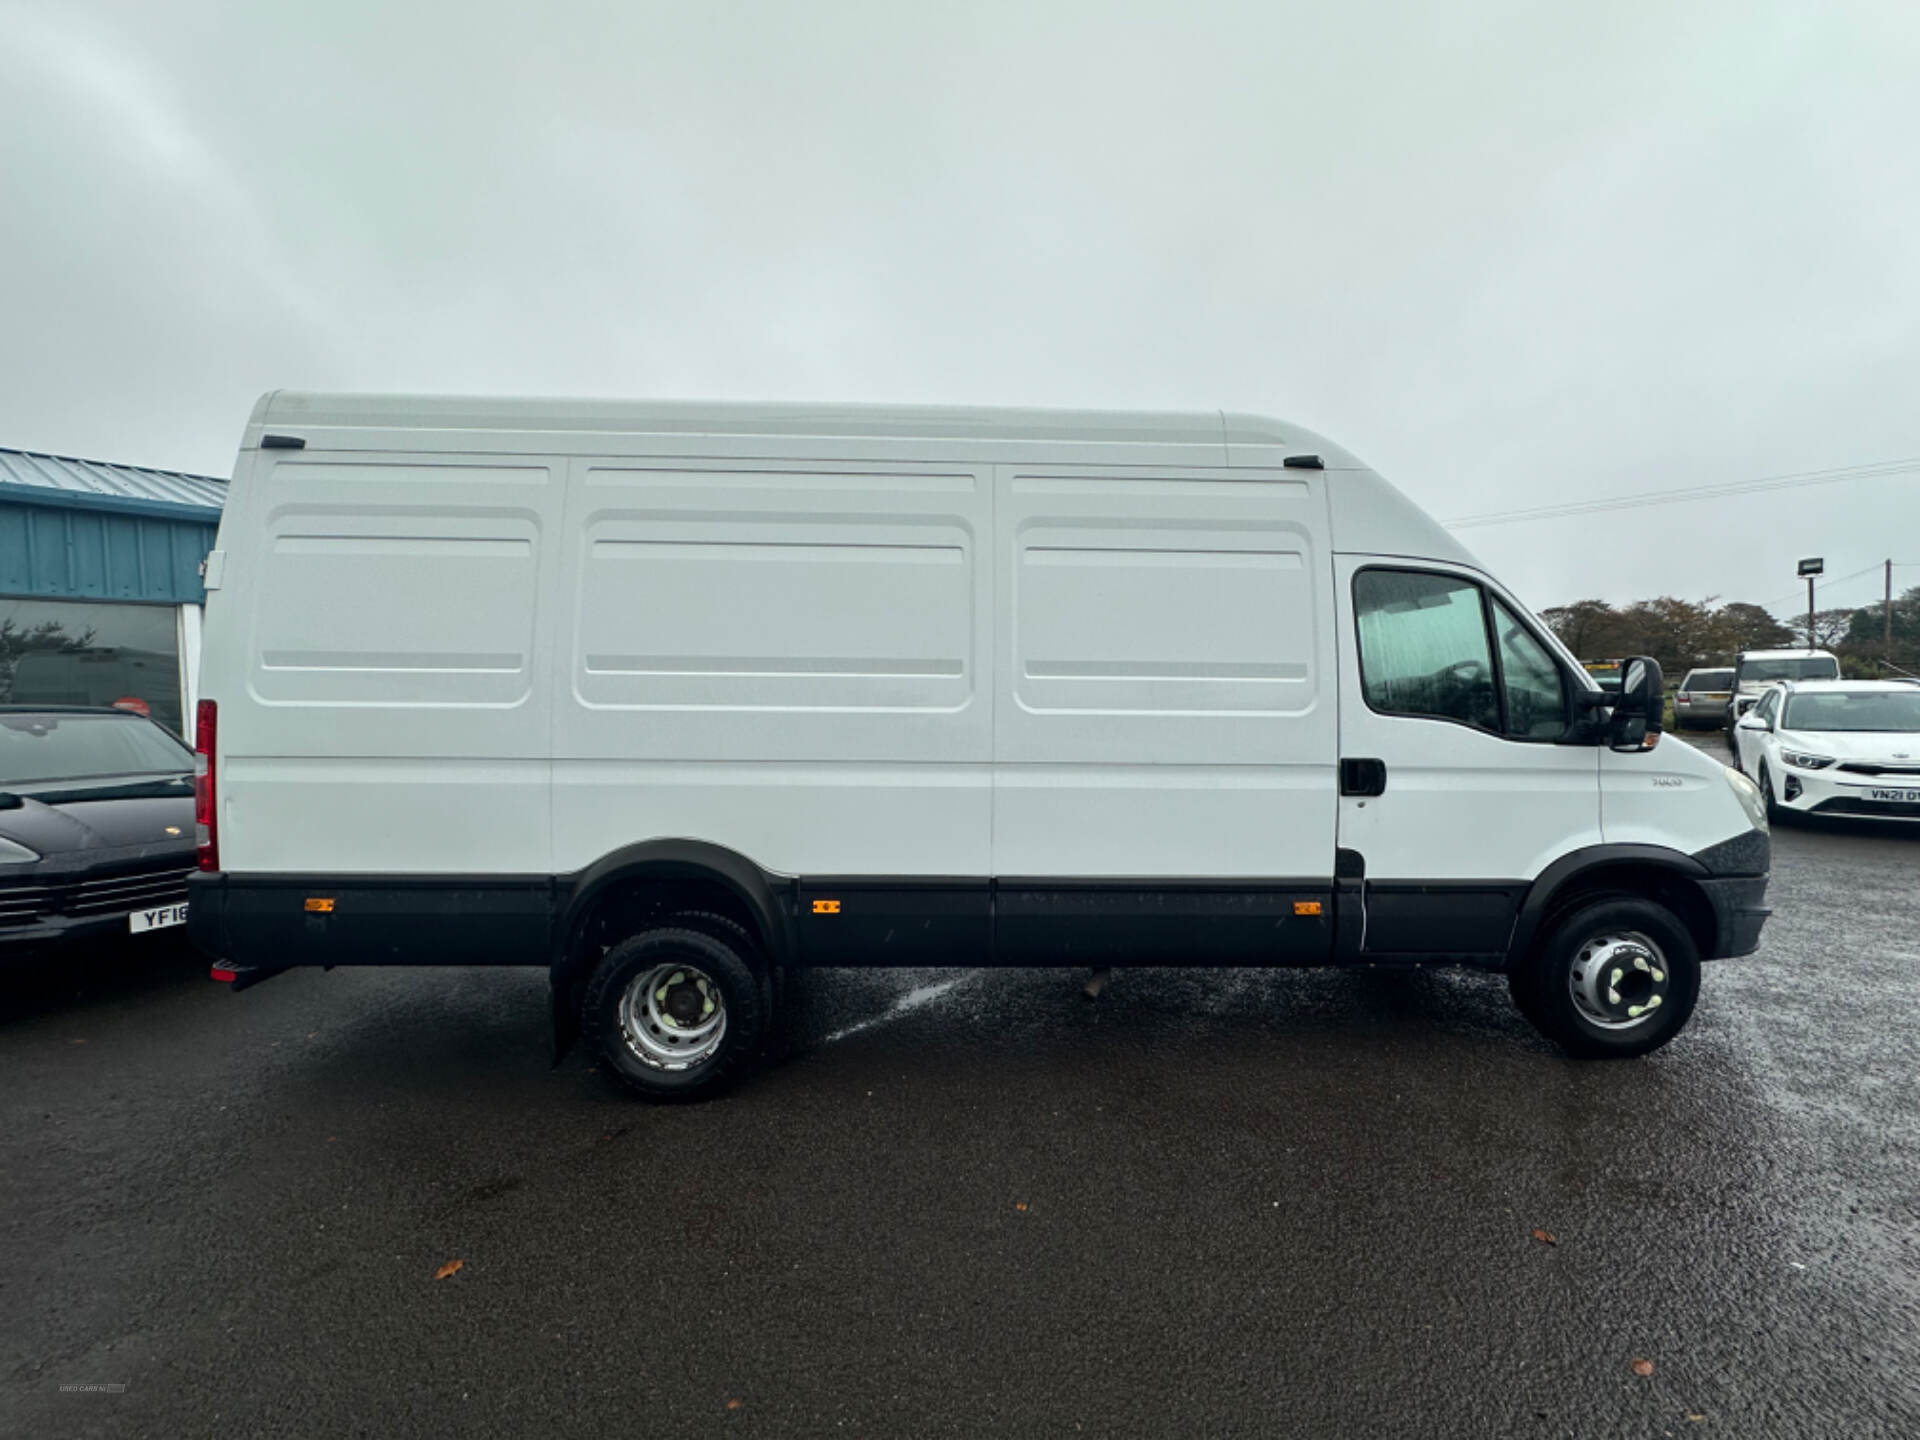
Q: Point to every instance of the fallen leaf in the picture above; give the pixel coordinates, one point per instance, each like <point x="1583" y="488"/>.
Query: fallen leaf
<point x="451" y="1267"/>
<point x="76" y="1042"/>
<point x="733" y="1404"/>
<point x="1691" y="1416"/>
<point x="1019" y="1204"/>
<point x="1545" y="1237"/>
<point x="1642" y="1366"/>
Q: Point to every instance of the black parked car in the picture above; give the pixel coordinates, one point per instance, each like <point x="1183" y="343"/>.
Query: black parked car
<point x="96" y="826"/>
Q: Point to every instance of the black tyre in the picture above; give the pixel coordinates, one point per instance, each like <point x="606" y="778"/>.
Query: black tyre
<point x="676" y="1012"/>
<point x="773" y="978"/>
<point x="1765" y="782"/>
<point x="1613" y="978"/>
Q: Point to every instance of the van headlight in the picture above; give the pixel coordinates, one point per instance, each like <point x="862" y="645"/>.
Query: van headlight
<point x="1749" y="796"/>
<point x="12" y="852"/>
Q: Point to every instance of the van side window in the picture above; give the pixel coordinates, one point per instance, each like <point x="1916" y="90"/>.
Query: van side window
<point x="1424" y="648"/>
<point x="1535" y="690"/>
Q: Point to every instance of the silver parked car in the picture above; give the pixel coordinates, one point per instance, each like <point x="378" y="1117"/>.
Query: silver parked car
<point x="1701" y="701"/>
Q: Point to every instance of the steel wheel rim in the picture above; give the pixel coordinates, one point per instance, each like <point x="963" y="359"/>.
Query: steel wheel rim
<point x="673" y="1016"/>
<point x="1620" y="981"/>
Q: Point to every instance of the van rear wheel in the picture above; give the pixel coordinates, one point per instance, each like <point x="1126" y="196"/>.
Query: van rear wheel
<point x="675" y="1013"/>
<point x="1616" y="977"/>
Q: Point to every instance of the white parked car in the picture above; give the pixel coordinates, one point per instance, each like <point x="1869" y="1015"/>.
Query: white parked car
<point x="1835" y="747"/>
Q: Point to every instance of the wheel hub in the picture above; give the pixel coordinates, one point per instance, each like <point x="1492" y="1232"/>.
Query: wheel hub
<point x="1620" y="981"/>
<point x="673" y="1017"/>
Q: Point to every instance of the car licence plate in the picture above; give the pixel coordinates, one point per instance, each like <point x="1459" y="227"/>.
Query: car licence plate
<point x="157" y="919"/>
<point x="1898" y="797"/>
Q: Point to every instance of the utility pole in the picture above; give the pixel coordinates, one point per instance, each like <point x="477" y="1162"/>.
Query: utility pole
<point x="1886" y="617"/>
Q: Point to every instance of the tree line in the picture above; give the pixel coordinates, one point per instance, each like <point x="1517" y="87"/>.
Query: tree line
<point x="1683" y="634"/>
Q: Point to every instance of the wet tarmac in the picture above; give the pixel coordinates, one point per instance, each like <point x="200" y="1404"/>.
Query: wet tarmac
<point x="1209" y="1203"/>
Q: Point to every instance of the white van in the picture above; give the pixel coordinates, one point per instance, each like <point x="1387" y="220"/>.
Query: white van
<point x="1755" y="670"/>
<point x="670" y="697"/>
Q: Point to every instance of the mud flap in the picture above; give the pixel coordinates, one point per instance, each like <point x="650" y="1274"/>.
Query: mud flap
<point x="564" y="998"/>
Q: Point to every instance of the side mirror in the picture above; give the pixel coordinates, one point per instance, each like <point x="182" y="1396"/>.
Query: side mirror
<point x="1640" y="715"/>
<point x="1751" y="721"/>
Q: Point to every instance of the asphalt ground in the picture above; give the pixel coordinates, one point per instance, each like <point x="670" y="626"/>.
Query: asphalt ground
<point x="971" y="1202"/>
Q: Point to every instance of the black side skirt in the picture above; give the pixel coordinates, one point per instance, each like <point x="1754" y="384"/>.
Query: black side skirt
<point x="278" y="921"/>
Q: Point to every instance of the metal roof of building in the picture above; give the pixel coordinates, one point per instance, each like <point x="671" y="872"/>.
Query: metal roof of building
<point x="98" y="485"/>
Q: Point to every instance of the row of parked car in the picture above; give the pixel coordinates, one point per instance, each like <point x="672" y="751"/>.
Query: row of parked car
<point x="1715" y="698"/>
<point x="1812" y="742"/>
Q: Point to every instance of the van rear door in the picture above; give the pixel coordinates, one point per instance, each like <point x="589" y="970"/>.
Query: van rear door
<point x="1456" y="786"/>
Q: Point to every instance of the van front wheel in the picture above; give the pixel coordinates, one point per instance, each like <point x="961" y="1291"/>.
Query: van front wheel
<point x="675" y="1013"/>
<point x="1614" y="978"/>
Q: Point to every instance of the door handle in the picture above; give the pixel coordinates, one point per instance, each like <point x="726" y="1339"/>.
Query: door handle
<point x="1363" y="777"/>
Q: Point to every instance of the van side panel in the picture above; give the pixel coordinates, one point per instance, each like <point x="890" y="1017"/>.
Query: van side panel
<point x="790" y="659"/>
<point x="1165" y="697"/>
<point x="391" y="710"/>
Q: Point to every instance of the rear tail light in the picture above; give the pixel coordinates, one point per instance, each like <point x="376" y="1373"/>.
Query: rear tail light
<point x="206" y="821"/>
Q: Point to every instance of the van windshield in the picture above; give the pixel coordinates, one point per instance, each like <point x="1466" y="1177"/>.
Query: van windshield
<point x="1796" y="667"/>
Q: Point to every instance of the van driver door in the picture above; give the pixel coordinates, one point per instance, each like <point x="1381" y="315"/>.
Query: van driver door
<point x="1463" y="772"/>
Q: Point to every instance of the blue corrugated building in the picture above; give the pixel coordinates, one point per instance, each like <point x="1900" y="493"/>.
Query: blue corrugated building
<point x="100" y="592"/>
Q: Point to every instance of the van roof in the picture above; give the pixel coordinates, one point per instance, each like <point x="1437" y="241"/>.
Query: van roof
<point x="1371" y="516"/>
<point x="1799" y="654"/>
<point x="1229" y="436"/>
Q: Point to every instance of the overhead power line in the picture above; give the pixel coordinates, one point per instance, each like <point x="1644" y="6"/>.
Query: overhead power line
<point x="1798" y="479"/>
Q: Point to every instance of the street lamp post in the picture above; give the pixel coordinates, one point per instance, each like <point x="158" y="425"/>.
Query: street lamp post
<point x="1808" y="569"/>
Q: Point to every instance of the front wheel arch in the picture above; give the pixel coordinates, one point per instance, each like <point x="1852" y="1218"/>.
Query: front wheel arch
<point x="1650" y="872"/>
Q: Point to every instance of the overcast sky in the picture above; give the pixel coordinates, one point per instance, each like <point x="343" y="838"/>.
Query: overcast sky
<point x="1511" y="254"/>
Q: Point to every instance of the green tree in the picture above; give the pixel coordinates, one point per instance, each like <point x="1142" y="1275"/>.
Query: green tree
<point x="1830" y="628"/>
<point x="1678" y="633"/>
<point x="1589" y="628"/>
<point x="1748" y="627"/>
<point x="1865" y="633"/>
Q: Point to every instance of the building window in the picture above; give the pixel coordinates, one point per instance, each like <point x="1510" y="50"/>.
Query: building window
<point x="75" y="652"/>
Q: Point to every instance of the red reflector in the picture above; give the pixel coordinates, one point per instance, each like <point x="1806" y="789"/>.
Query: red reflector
<point x="220" y="972"/>
<point x="206" y="724"/>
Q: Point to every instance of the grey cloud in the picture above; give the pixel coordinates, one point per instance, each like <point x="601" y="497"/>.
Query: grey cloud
<point x="1510" y="253"/>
